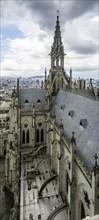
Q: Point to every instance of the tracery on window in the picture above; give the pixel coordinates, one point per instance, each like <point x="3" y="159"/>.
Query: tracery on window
<point x="25" y="134"/>
<point x="40" y="135"/>
<point x="39" y="124"/>
<point x="25" y="125"/>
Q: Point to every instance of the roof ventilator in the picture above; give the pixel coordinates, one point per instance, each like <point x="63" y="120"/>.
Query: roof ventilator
<point x="26" y="101"/>
<point x="83" y="123"/>
<point x="71" y="114"/>
<point x="62" y="107"/>
<point x="38" y="101"/>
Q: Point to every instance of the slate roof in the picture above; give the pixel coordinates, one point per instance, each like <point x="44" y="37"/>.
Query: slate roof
<point x="84" y="92"/>
<point x="87" y="130"/>
<point x="28" y="97"/>
<point x="78" y="114"/>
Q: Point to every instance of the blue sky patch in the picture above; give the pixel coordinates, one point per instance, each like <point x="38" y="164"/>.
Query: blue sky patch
<point x="4" y="51"/>
<point x="11" y="31"/>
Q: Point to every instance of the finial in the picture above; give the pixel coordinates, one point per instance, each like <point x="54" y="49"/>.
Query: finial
<point x="61" y="120"/>
<point x="45" y="76"/>
<point x="70" y="69"/>
<point x="57" y="15"/>
<point x="73" y="140"/>
<point x="61" y="124"/>
<point x="73" y="134"/>
<point x="96" y="158"/>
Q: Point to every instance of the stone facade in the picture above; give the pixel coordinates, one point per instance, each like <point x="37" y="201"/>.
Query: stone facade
<point x="4" y="126"/>
<point x="33" y="123"/>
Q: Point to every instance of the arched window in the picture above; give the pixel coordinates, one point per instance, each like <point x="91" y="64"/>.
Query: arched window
<point x="23" y="137"/>
<point x="10" y="143"/>
<point x="82" y="211"/>
<point x="4" y="152"/>
<point x="54" y="86"/>
<point x="27" y="137"/>
<point x="67" y="182"/>
<point x="42" y="135"/>
<point x="37" y="135"/>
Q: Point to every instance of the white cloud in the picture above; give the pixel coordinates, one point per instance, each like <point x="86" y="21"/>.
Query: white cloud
<point x="29" y="55"/>
<point x="26" y="55"/>
<point x="80" y="38"/>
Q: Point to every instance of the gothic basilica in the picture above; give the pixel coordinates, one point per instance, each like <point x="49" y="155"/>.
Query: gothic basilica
<point x="51" y="162"/>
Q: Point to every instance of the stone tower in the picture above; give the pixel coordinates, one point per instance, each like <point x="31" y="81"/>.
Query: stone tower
<point x="57" y="78"/>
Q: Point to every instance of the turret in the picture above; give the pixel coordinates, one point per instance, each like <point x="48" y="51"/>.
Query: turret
<point x="70" y="78"/>
<point x="45" y="78"/>
<point x="18" y="87"/>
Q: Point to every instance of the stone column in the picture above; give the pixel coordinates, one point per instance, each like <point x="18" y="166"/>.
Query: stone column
<point x="33" y="126"/>
<point x="95" y="185"/>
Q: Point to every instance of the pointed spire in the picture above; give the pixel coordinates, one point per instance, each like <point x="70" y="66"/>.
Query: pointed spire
<point x="45" y="74"/>
<point x="57" y="37"/>
<point x="96" y="159"/>
<point x="57" y="22"/>
<point x="73" y="140"/>
<point x="45" y="78"/>
<point x="57" y="49"/>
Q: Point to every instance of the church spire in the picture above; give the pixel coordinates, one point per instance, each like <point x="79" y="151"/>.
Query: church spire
<point x="57" y="49"/>
<point x="57" y="78"/>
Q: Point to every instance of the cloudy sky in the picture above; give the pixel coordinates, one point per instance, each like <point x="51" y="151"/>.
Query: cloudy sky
<point x="27" y="30"/>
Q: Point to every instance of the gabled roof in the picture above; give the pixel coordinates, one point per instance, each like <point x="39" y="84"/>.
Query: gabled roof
<point x="84" y="122"/>
<point x="32" y="96"/>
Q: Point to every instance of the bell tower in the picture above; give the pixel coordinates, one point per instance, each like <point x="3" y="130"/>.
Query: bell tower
<point x="57" y="49"/>
<point x="57" y="76"/>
